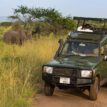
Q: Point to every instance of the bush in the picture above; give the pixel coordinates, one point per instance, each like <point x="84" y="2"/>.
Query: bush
<point x="5" y="24"/>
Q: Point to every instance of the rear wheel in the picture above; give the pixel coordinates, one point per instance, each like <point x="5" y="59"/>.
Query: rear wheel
<point x="94" y="89"/>
<point x="48" y="89"/>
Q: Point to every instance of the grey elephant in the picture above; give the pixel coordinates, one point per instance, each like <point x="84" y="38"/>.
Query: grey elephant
<point x="17" y="37"/>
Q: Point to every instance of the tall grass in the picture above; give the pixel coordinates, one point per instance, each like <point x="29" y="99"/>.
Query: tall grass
<point x="3" y="30"/>
<point x="20" y="69"/>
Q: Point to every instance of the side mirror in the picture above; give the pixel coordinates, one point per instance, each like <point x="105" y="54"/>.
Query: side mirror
<point x="105" y="57"/>
<point x="61" y="42"/>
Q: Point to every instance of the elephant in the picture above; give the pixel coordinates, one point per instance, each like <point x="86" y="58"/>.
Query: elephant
<point x="16" y="37"/>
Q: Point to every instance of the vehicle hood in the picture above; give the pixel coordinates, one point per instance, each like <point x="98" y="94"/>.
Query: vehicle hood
<point x="74" y="63"/>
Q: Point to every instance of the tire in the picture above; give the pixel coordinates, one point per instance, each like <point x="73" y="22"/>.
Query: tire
<point x="48" y="89"/>
<point x="94" y="89"/>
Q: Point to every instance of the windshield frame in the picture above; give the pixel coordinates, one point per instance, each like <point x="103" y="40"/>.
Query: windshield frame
<point x="80" y="41"/>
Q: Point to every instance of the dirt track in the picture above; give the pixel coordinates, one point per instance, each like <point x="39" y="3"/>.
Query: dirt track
<point x="71" y="98"/>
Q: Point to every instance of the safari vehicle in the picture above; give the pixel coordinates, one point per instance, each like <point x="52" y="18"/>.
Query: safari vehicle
<point x="80" y="61"/>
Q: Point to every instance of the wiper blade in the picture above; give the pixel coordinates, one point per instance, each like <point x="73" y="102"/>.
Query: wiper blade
<point x="69" y="55"/>
<point x="88" y="56"/>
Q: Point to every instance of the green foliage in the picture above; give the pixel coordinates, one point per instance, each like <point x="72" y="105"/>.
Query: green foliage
<point x="50" y="15"/>
<point x="21" y="9"/>
<point x="5" y="24"/>
<point x="68" y="23"/>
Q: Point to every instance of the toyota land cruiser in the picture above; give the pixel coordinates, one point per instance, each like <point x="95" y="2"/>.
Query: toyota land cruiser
<point x="80" y="62"/>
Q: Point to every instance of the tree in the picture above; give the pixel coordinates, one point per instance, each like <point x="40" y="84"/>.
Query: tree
<point x="53" y="17"/>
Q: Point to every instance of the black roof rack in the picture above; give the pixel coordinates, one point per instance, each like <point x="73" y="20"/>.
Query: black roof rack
<point x="102" y="29"/>
<point x="88" y="18"/>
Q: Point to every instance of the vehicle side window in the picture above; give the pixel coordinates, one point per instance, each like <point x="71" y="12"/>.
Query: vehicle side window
<point x="65" y="49"/>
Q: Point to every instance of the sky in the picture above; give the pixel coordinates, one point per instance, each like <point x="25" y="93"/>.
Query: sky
<point x="87" y="8"/>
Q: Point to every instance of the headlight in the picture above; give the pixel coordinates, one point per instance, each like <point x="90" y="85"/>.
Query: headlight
<point x="86" y="73"/>
<point x="48" y="70"/>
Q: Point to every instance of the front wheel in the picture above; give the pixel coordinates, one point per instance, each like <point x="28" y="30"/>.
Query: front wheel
<point x="94" y="89"/>
<point x="48" y="89"/>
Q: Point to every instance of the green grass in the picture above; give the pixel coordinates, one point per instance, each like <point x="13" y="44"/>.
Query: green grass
<point x="20" y="70"/>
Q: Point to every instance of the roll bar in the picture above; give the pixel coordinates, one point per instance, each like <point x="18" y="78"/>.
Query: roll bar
<point x="89" y="18"/>
<point x="103" y="29"/>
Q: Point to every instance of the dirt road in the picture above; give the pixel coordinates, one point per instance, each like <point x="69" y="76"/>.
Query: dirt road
<point x="71" y="98"/>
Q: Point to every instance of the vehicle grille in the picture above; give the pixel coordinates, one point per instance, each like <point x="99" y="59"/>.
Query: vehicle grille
<point x="66" y="72"/>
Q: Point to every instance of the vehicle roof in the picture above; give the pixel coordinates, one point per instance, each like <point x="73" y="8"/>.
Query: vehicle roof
<point x="99" y="27"/>
<point x="89" y="18"/>
<point x="86" y="36"/>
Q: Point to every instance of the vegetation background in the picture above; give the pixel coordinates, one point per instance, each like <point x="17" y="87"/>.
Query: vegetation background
<point x="20" y="66"/>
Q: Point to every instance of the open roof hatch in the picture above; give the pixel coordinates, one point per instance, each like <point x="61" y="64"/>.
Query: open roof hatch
<point x="92" y="25"/>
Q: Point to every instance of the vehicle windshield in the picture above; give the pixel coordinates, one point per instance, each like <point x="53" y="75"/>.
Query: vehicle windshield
<point x="80" y="48"/>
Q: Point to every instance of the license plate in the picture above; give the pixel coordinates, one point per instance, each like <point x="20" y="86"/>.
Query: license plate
<point x="64" y="80"/>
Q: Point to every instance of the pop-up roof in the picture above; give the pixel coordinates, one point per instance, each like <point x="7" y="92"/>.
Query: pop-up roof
<point x="94" y="25"/>
<point x="88" y="18"/>
<point x="97" y="38"/>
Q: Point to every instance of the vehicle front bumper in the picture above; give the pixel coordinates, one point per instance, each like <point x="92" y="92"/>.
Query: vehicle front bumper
<point x="75" y="82"/>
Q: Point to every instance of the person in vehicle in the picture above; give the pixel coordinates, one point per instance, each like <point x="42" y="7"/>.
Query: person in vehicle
<point x="80" y="48"/>
<point x="85" y="28"/>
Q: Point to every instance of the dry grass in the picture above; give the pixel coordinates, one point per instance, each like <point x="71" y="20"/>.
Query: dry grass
<point x="20" y="69"/>
<point x="3" y="30"/>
